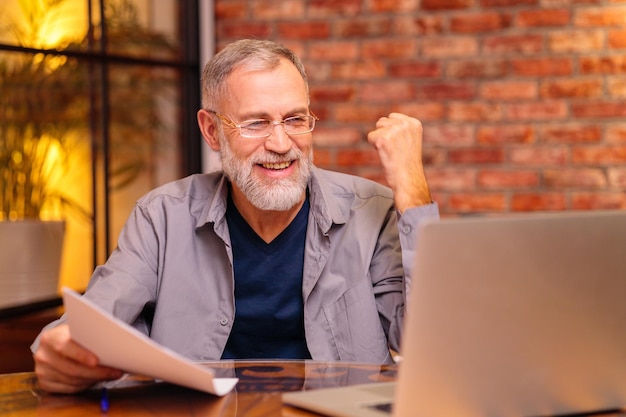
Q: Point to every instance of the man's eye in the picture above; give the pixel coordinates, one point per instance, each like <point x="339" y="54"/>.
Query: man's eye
<point x="296" y="121"/>
<point x="255" y="124"/>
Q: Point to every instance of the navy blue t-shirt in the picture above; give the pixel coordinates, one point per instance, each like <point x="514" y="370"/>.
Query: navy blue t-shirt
<point x="269" y="314"/>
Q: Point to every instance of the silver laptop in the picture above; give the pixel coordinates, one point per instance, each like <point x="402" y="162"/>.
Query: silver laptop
<point x="509" y="316"/>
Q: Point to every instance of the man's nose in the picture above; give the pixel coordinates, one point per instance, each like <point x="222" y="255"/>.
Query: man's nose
<point x="278" y="141"/>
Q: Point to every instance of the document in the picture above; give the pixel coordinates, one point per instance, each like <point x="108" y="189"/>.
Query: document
<point x="121" y="346"/>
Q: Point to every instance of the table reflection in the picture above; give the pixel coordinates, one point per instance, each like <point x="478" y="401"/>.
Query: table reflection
<point x="258" y="392"/>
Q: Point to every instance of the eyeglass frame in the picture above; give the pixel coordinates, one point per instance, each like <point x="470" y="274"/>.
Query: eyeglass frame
<point x="273" y="123"/>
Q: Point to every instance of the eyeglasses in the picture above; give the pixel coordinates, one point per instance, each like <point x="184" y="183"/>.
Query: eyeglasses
<point x="262" y="128"/>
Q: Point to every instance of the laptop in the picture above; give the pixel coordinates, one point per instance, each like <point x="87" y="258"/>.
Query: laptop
<point x="521" y="315"/>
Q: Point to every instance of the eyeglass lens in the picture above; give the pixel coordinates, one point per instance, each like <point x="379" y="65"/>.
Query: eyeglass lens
<point x="295" y="125"/>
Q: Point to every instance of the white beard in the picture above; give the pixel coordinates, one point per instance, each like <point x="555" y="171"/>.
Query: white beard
<point x="267" y="194"/>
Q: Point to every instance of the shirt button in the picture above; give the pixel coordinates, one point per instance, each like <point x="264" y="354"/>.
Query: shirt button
<point x="406" y="229"/>
<point x="223" y="321"/>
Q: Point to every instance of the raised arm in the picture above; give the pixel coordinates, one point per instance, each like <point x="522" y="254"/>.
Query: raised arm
<point x="398" y="140"/>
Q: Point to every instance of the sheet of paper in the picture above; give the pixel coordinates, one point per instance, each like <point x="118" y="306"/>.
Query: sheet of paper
<point x="120" y="346"/>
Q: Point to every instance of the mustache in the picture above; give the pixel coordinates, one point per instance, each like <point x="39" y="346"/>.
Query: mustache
<point x="276" y="158"/>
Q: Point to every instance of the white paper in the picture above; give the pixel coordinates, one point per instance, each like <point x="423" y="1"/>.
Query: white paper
<point x="120" y="346"/>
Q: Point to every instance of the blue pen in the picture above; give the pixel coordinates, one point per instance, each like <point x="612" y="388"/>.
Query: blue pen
<point x="104" y="400"/>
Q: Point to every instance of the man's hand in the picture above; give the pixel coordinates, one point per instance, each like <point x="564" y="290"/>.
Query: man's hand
<point x="398" y="140"/>
<point x="63" y="366"/>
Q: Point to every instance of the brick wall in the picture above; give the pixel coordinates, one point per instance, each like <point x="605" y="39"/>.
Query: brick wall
<point x="522" y="101"/>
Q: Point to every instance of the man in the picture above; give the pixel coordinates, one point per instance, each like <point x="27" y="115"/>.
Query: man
<point x="271" y="258"/>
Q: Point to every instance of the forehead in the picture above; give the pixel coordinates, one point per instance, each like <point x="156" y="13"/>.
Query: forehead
<point x="265" y="91"/>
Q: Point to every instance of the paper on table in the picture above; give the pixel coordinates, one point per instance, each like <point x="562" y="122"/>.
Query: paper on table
<point x="120" y="346"/>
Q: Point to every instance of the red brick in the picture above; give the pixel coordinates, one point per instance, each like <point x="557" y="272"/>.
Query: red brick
<point x="233" y="29"/>
<point x="501" y="179"/>
<point x="617" y="177"/>
<point x="332" y="92"/>
<point x="388" y="48"/>
<point x="508" y="90"/>
<point x="272" y="10"/>
<point x="446" y="4"/>
<point x="449" y="46"/>
<point x="561" y="3"/>
<point x="508" y="133"/>
<point x="422" y="110"/>
<point x="477" y="202"/>
<point x="333" y="51"/>
<point x="599" y="109"/>
<point x="476" y="156"/>
<point x="340" y="136"/>
<point x="323" y="158"/>
<point x="447" y="91"/>
<point x="600" y="16"/>
<point x="231" y="10"/>
<point x="542" y="67"/>
<point x="577" y="88"/>
<point x="603" y="64"/>
<point x="359" y="70"/>
<point x="358" y="113"/>
<point x="415" y="69"/>
<point x="318" y="71"/>
<point x="331" y="8"/>
<point x="479" y="22"/>
<point x="545" y="110"/>
<point x="574" y="178"/>
<point x="576" y="41"/>
<point x="543" y="17"/>
<point x="357" y="157"/>
<point x="433" y="156"/>
<point x="451" y="179"/>
<point x="476" y="69"/>
<point x="616" y="133"/>
<point x="304" y="30"/>
<point x="373" y="173"/>
<point x="616" y="87"/>
<point x="598" y="201"/>
<point x="363" y="27"/>
<point x="448" y="134"/>
<point x="387" y="91"/>
<point x="538" y="201"/>
<point x="617" y="39"/>
<point x="540" y="156"/>
<point x="513" y="44"/>
<point x="420" y="25"/>
<point x="462" y="111"/>
<point x="599" y="155"/>
<point x="378" y="6"/>
<point x="571" y="133"/>
<point x="507" y="3"/>
<point x="296" y="45"/>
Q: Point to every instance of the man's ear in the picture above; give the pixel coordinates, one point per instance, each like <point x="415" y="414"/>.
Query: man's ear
<point x="208" y="129"/>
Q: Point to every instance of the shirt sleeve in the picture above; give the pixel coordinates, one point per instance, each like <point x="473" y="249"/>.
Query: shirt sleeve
<point x="408" y="231"/>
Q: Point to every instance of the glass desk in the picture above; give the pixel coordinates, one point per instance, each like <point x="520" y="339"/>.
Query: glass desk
<point x="258" y="392"/>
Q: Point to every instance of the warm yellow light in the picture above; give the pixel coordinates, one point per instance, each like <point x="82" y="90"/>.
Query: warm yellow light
<point x="45" y="24"/>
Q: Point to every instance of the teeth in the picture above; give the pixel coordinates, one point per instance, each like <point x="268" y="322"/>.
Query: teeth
<point x="281" y="165"/>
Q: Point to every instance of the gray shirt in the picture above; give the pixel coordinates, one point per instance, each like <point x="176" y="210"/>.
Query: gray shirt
<point x="174" y="260"/>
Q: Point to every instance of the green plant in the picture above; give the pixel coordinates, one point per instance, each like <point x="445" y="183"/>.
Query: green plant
<point x="45" y="109"/>
<point x="40" y="118"/>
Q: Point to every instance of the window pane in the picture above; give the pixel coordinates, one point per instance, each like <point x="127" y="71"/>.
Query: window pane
<point x="84" y="100"/>
<point x="45" y="150"/>
<point x="145" y="135"/>
<point x="143" y="28"/>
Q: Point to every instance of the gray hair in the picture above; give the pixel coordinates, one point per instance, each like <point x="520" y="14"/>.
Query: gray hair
<point x="249" y="53"/>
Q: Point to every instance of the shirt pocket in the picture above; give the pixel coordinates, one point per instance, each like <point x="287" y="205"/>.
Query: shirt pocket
<point x="355" y="325"/>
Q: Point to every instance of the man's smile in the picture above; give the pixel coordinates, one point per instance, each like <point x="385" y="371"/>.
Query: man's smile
<point x="276" y="165"/>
